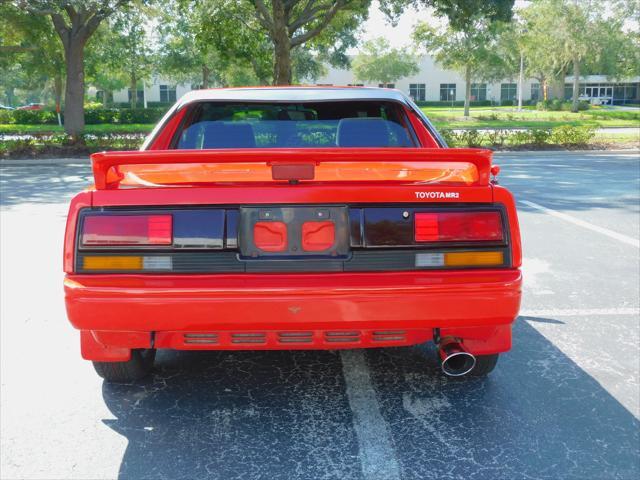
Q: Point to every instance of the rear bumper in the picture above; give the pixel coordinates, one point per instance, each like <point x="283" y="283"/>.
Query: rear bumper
<point x="265" y="311"/>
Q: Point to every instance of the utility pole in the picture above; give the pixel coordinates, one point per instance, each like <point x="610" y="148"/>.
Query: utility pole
<point x="521" y="81"/>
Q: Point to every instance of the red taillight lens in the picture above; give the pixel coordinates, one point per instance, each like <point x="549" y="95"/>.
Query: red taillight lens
<point x="108" y="230"/>
<point x="458" y="227"/>
<point x="270" y="236"/>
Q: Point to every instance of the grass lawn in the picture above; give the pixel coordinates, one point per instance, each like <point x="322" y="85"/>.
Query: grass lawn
<point x="508" y="117"/>
<point x="6" y="129"/>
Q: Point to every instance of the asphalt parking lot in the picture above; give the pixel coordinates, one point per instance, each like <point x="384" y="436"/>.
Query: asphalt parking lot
<point x="563" y="404"/>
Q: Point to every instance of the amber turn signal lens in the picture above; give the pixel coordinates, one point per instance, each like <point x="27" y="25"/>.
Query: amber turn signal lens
<point x="473" y="259"/>
<point x="112" y="263"/>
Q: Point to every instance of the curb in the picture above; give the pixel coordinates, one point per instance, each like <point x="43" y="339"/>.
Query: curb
<point x="548" y="153"/>
<point x="43" y="161"/>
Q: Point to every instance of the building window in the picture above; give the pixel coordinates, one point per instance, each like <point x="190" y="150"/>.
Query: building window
<point x="355" y="85"/>
<point x="478" y="92"/>
<point x="100" y="96"/>
<point x="386" y="85"/>
<point x="535" y="92"/>
<point x="508" y="91"/>
<point x="568" y="91"/>
<point x="139" y="96"/>
<point x="417" y="91"/>
<point x="167" y="94"/>
<point x="447" y="92"/>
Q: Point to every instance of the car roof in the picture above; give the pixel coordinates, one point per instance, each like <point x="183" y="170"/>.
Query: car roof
<point x="293" y="94"/>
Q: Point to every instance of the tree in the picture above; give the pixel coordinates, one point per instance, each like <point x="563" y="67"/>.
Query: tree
<point x="75" y="21"/>
<point x="377" y="62"/>
<point x="472" y="51"/>
<point x="290" y="24"/>
<point x="562" y="34"/>
<point x="130" y="49"/>
<point x="30" y="52"/>
<point x="461" y="14"/>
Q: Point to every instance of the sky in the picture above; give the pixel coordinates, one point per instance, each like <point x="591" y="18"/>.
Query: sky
<point x="400" y="35"/>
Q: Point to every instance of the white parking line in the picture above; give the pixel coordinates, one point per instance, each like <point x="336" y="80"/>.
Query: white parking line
<point x="579" y="312"/>
<point x="377" y="456"/>
<point x="576" y="221"/>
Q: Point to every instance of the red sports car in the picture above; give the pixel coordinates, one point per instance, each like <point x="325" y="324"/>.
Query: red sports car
<point x="292" y="218"/>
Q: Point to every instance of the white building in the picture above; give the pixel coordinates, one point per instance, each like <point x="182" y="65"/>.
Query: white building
<point x="435" y="84"/>
<point x="431" y="84"/>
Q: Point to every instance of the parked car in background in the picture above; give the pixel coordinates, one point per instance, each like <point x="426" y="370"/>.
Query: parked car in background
<point x="32" y="106"/>
<point x="5" y="107"/>
<point x="292" y="218"/>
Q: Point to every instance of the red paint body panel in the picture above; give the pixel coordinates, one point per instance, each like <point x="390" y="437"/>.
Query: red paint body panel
<point x="119" y="312"/>
<point x="413" y="301"/>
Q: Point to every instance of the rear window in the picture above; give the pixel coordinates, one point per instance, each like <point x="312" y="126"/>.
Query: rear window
<point x="295" y="125"/>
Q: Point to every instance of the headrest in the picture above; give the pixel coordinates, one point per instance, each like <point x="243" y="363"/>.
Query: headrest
<point x="362" y="132"/>
<point x="228" y="135"/>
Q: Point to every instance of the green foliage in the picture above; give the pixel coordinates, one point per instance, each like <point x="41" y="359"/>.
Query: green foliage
<point x="93" y="116"/>
<point x="557" y="105"/>
<point x="378" y="62"/>
<point x="568" y="135"/>
<point x="64" y="145"/>
<point x="565" y="135"/>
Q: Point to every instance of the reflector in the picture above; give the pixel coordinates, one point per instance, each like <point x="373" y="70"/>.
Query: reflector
<point x="472" y="259"/>
<point x="112" y="263"/>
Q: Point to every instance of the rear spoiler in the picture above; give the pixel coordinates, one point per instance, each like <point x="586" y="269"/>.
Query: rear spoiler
<point x="301" y="164"/>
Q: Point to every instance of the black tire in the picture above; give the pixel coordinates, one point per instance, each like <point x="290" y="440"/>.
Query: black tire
<point x="139" y="366"/>
<point x="484" y="365"/>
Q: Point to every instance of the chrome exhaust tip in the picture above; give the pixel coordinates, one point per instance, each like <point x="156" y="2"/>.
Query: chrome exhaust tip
<point x="455" y="360"/>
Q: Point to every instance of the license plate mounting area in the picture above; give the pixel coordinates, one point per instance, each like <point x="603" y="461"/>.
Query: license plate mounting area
<point x="278" y="232"/>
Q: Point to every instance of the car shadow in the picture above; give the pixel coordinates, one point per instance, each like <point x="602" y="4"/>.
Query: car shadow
<point x="286" y="415"/>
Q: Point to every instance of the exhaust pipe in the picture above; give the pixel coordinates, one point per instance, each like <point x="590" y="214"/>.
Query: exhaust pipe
<point x="455" y="360"/>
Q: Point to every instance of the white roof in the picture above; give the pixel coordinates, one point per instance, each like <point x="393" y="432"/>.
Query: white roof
<point x="294" y="94"/>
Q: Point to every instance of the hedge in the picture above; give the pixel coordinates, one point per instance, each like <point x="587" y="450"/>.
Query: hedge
<point x="457" y="103"/>
<point x="92" y="116"/>
<point x="565" y="135"/>
<point x="557" y="105"/>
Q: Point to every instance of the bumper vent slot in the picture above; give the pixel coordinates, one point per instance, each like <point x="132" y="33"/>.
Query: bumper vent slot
<point x="389" y="336"/>
<point x="201" y="338"/>
<point x="342" y="337"/>
<point x="295" y="337"/>
<point x="248" y="337"/>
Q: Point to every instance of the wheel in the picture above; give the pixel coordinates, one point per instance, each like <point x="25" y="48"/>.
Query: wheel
<point x="484" y="365"/>
<point x="140" y="365"/>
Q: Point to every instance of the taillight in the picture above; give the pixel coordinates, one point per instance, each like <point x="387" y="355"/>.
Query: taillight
<point x="458" y="227"/>
<point x="109" y="230"/>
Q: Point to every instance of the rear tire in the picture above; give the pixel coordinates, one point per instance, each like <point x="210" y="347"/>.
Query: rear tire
<point x="139" y="366"/>
<point x="484" y="365"/>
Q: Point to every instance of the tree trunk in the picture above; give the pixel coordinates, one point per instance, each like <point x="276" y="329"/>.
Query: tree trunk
<point x="205" y="76"/>
<point x="57" y="91"/>
<point x="576" y="84"/>
<point x="133" y="86"/>
<point x="557" y="86"/>
<point x="467" y="90"/>
<point x="282" y="46"/>
<point x="74" y="91"/>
